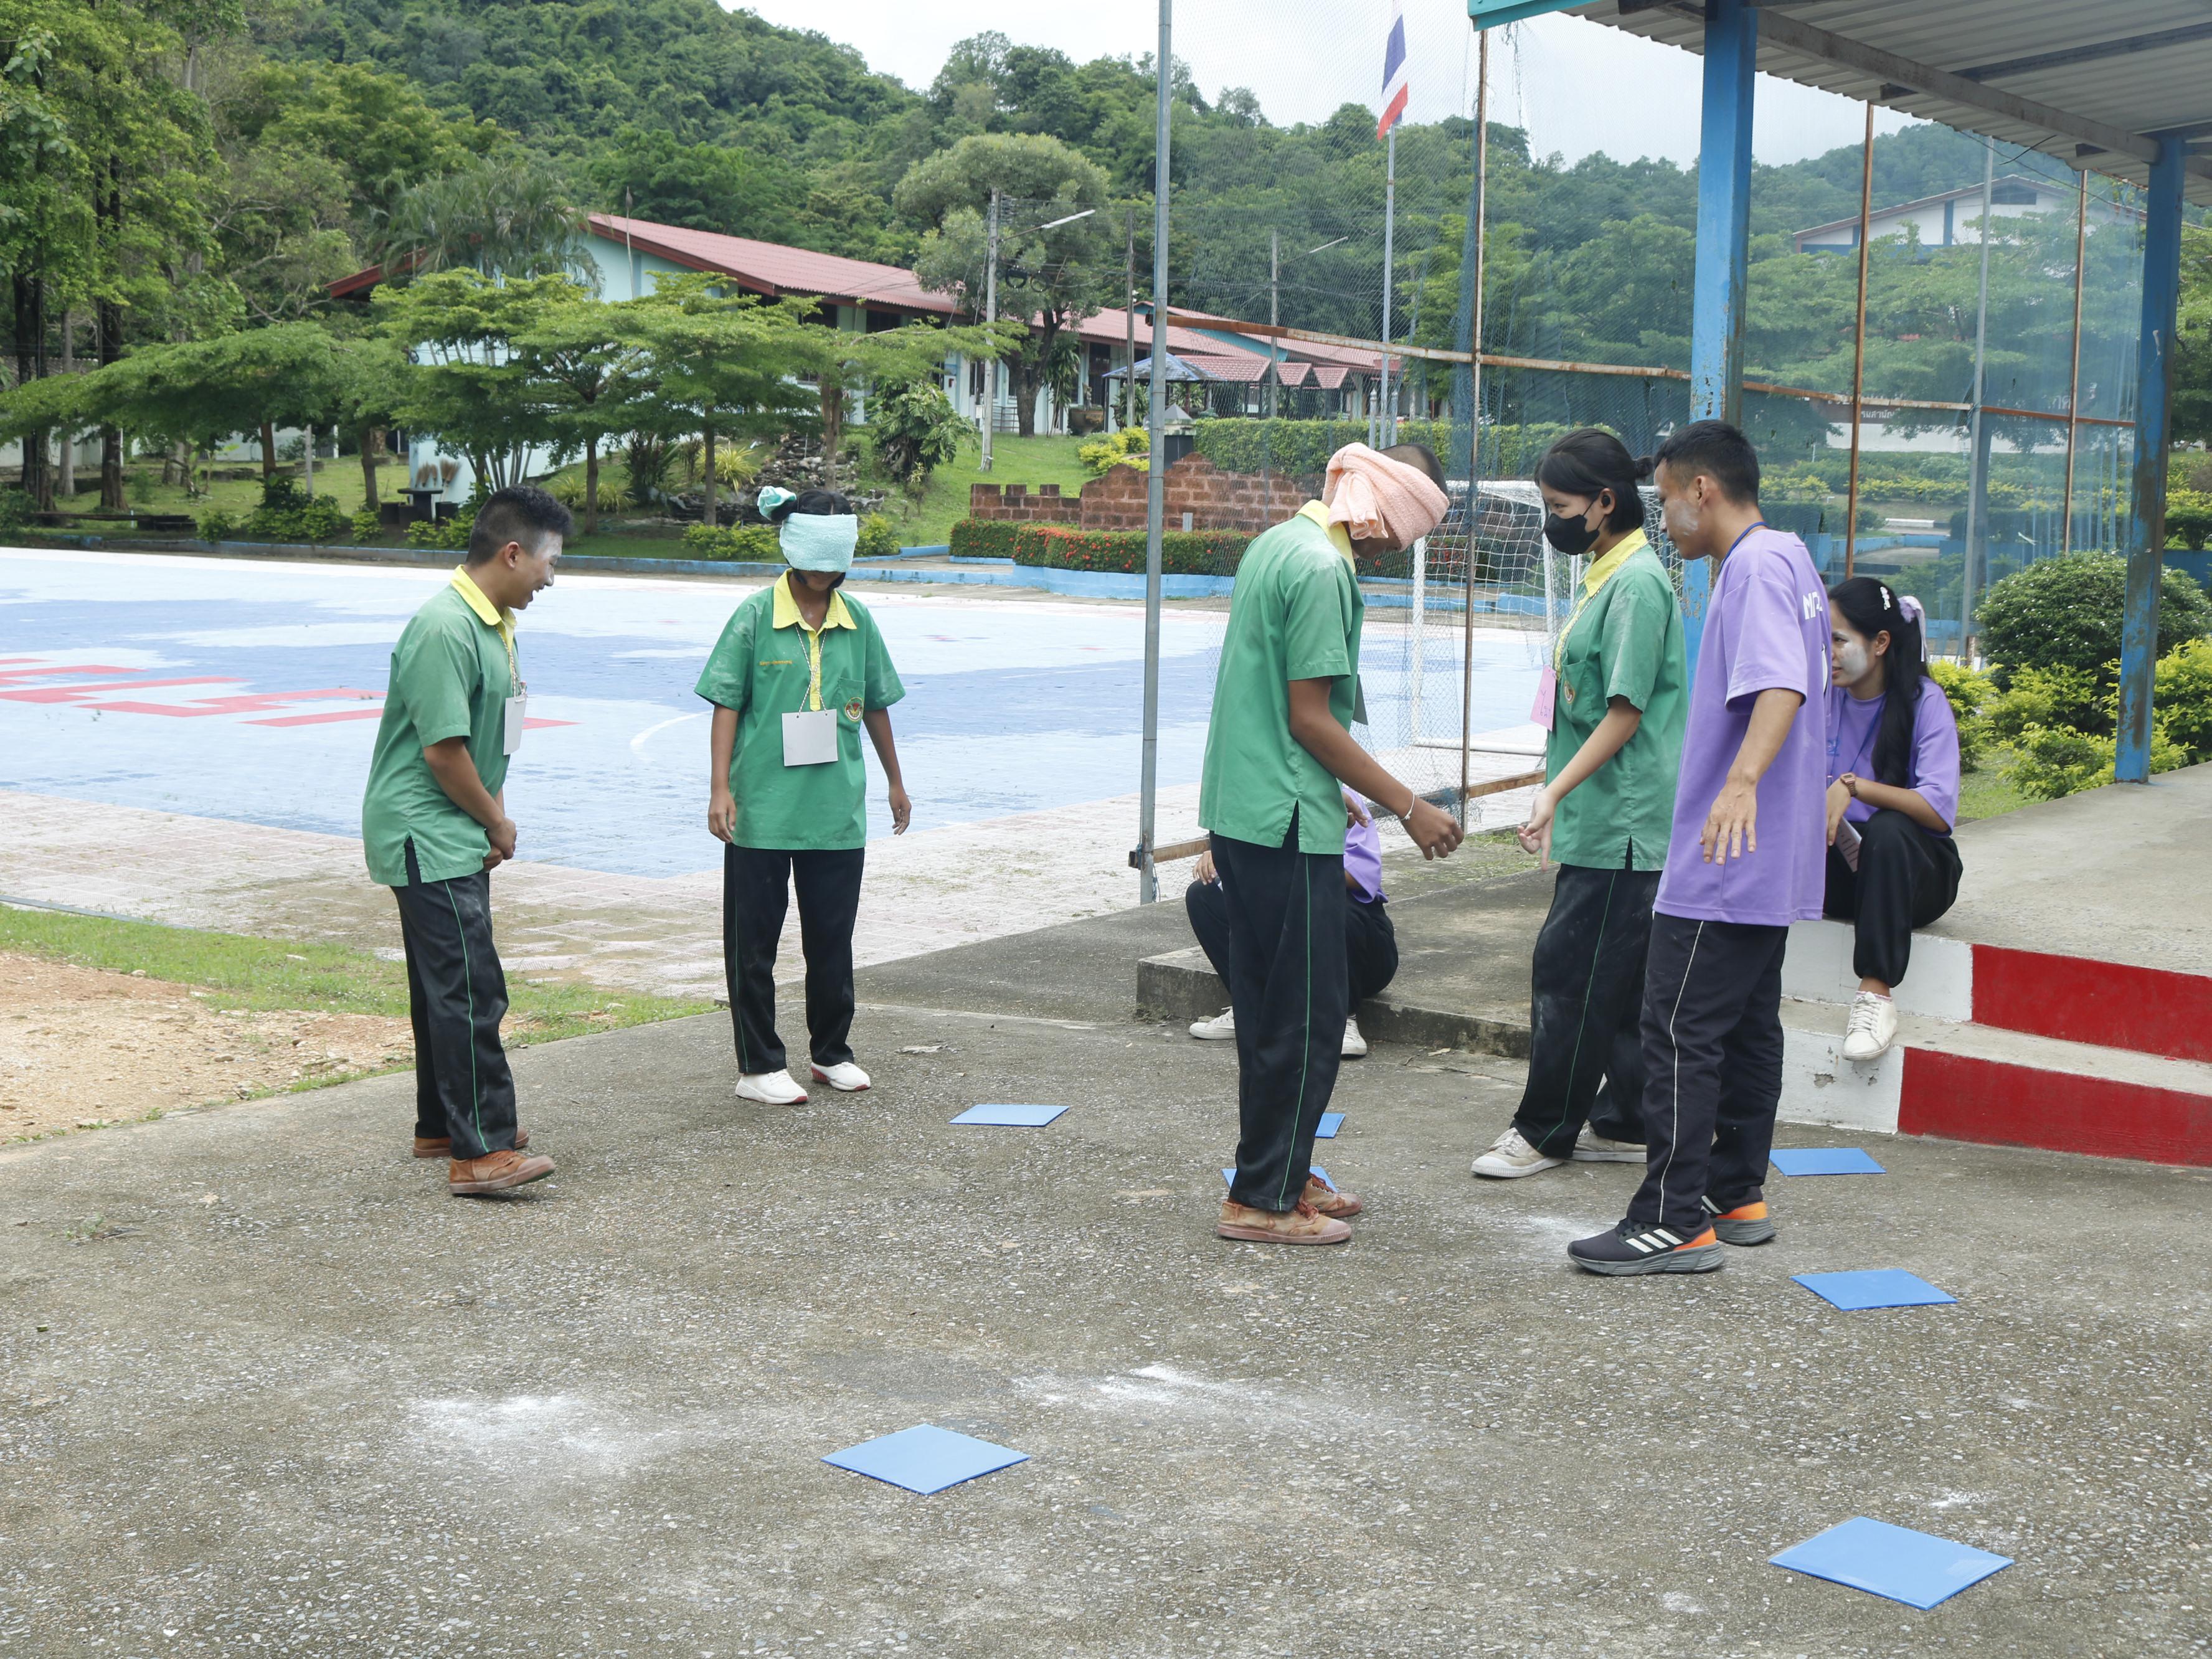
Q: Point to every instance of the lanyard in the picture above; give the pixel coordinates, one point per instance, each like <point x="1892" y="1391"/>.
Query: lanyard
<point x="814" y="661"/>
<point x="513" y="668"/>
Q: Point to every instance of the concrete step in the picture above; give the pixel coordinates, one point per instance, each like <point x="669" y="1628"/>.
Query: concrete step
<point x="2079" y="999"/>
<point x="1981" y="1082"/>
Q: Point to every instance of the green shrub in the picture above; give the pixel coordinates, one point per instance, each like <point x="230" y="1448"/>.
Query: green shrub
<point x="878" y="538"/>
<point x="2051" y="698"/>
<point x="2181" y="702"/>
<point x="15" y="509"/>
<point x="984" y="538"/>
<point x="1970" y="694"/>
<point x="744" y="543"/>
<point x="217" y="526"/>
<point x="286" y="514"/>
<point x="2188" y="519"/>
<point x="2065" y="613"/>
<point x="914" y="429"/>
<point x="2057" y="760"/>
<point x="451" y="533"/>
<point x="1130" y="446"/>
<point x="566" y="488"/>
<point x="1183" y="552"/>
<point x="368" y="526"/>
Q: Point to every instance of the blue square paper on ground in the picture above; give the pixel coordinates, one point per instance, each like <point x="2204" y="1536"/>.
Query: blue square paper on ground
<point x="1916" y="1568"/>
<point x="1330" y="1123"/>
<point x="1320" y="1175"/>
<point x="1875" y="1287"/>
<point x="924" y="1458"/>
<point x="1016" y="1117"/>
<point x="1825" y="1160"/>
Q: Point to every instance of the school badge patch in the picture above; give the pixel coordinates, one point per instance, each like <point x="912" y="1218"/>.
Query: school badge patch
<point x="853" y="709"/>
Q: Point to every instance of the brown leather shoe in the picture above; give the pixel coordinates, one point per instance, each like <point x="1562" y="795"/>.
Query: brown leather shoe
<point x="1342" y="1207"/>
<point x="495" y="1172"/>
<point x="443" y="1146"/>
<point x="1304" y="1225"/>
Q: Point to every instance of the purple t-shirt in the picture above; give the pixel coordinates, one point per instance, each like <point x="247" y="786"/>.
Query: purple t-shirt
<point x="1855" y="725"/>
<point x="1767" y="630"/>
<point x="1363" y="855"/>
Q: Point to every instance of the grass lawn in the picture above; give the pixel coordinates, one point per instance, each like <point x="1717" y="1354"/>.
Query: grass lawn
<point x="266" y="974"/>
<point x="143" y="487"/>
<point x="1988" y="790"/>
<point x="1031" y="461"/>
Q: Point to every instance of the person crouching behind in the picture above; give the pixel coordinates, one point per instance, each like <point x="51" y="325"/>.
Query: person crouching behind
<point x="1892" y="796"/>
<point x="1371" y="943"/>
<point x="800" y="671"/>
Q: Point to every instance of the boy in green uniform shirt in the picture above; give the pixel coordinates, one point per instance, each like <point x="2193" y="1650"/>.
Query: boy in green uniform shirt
<point x="433" y="825"/>
<point x="1616" y="700"/>
<point x="1278" y="746"/>
<point x="799" y="671"/>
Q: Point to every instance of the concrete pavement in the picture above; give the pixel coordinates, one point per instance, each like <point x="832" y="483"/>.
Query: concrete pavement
<point x="290" y="1398"/>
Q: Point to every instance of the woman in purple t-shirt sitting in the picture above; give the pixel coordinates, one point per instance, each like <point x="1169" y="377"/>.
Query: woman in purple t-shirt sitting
<point x="1892" y="796"/>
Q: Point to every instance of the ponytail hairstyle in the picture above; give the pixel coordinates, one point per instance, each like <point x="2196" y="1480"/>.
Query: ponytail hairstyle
<point x="1872" y="608"/>
<point x="1590" y="460"/>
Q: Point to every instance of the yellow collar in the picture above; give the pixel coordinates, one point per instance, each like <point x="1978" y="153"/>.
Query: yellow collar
<point x="1339" y="537"/>
<point x="1601" y="573"/>
<point x="786" y="608"/>
<point x="490" y="615"/>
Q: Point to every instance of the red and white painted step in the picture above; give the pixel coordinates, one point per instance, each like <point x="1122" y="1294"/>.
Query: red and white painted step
<point x="2007" y="1047"/>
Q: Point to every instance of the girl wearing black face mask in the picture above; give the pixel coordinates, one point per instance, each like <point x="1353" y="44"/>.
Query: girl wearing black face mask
<point x="1616" y="698"/>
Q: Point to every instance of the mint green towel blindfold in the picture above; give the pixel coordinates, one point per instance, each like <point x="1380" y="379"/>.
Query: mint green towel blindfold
<point x="819" y="541"/>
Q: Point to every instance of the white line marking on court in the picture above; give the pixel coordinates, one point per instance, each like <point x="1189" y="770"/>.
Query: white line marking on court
<point x="637" y="743"/>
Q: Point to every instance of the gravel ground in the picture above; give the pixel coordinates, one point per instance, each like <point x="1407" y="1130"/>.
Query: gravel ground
<point x="287" y="1397"/>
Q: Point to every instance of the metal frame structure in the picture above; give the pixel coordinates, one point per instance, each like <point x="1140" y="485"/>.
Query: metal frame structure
<point x="2120" y="90"/>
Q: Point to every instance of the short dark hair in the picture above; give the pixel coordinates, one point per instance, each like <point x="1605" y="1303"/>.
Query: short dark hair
<point x="519" y="512"/>
<point x="1717" y="450"/>
<point x="1590" y="460"/>
<point x="1421" y="457"/>
<point x="823" y="504"/>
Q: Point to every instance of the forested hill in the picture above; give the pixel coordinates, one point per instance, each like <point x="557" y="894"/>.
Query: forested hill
<point x="715" y="119"/>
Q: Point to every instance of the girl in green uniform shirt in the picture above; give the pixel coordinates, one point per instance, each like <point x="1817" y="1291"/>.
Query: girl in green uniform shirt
<point x="798" y="673"/>
<point x="1615" y="698"/>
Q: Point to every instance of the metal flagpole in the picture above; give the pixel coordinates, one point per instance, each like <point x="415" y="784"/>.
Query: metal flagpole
<point x="1155" y="480"/>
<point x="990" y="315"/>
<point x="1858" y="350"/>
<point x="1470" y="342"/>
<point x="1383" y="423"/>
<point x="1978" y="460"/>
<point x="2074" y="396"/>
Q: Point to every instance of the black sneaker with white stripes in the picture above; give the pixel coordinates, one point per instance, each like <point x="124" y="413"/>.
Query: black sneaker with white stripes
<point x="1633" y="1248"/>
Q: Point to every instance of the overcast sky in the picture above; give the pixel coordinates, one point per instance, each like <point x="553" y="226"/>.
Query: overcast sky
<point x="1576" y="86"/>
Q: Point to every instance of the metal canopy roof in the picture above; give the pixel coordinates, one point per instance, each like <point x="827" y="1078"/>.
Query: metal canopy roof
<point x="2083" y="83"/>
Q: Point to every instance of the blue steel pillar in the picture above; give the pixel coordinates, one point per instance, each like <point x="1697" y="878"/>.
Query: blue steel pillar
<point x="1724" y="250"/>
<point x="2161" y="293"/>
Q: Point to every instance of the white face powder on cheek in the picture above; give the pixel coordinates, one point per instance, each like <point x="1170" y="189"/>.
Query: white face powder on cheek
<point x="1850" y="662"/>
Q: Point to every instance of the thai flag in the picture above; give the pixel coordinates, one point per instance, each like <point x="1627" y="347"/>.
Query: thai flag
<point x="1395" y="89"/>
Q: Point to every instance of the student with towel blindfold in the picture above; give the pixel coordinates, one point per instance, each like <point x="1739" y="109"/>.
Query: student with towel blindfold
<point x="798" y="671"/>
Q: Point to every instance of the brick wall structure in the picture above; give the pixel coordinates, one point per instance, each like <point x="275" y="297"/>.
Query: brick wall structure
<point x="1215" y="499"/>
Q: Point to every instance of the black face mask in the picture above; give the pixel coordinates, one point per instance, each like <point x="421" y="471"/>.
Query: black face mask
<point x="1570" y="536"/>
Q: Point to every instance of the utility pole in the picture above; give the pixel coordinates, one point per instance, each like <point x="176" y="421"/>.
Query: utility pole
<point x="1387" y="425"/>
<point x="1129" y="317"/>
<point x="990" y="316"/>
<point x="1274" y="346"/>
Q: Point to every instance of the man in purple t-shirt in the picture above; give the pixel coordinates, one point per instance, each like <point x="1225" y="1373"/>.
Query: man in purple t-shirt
<point x="1747" y="858"/>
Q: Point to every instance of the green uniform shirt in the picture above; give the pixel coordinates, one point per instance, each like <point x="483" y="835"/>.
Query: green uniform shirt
<point x="766" y="666"/>
<point x="1625" y="641"/>
<point x="1294" y="615"/>
<point x="450" y="678"/>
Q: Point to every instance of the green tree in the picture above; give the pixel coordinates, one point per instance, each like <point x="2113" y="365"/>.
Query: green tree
<point x="1057" y="263"/>
<point x="588" y="361"/>
<point x="846" y="363"/>
<point x="651" y="174"/>
<point x="500" y="215"/>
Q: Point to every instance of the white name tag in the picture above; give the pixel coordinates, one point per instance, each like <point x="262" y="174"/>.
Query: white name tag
<point x="810" y="738"/>
<point x="512" y="738"/>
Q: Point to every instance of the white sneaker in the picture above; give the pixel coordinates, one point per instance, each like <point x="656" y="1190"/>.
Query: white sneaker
<point x="1872" y="1027"/>
<point x="1222" y="1028"/>
<point x="1355" y="1046"/>
<point x="1510" y="1157"/>
<point x="843" y="1076"/>
<point x="771" y="1089"/>
<point x="1590" y="1148"/>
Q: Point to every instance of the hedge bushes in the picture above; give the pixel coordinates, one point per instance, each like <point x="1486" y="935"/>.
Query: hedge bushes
<point x="984" y="538"/>
<point x="1183" y="552"/>
<point x="757" y="544"/>
<point x="286" y="514"/>
<point x="2065" y="613"/>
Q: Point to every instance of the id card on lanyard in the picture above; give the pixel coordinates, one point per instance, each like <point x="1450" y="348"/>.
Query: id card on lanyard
<point x="518" y="703"/>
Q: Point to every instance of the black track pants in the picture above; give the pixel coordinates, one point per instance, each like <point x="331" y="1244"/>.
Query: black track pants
<point x="1288" y="985"/>
<point x="1371" y="943"/>
<point x="1586" y="1008"/>
<point x="756" y="884"/>
<point x="1906" y="879"/>
<point x="1712" y="1063"/>
<point x="456" y="998"/>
